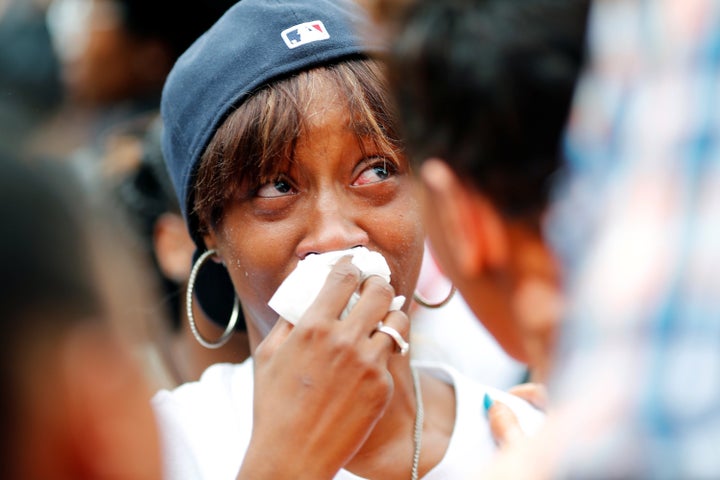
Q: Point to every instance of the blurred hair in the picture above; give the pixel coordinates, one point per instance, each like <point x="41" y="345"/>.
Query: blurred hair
<point x="258" y="140"/>
<point x="486" y="85"/>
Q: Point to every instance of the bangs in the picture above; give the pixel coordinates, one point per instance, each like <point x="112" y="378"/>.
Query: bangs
<point x="257" y="141"/>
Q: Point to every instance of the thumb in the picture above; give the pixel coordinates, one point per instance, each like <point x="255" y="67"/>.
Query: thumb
<point x="504" y="425"/>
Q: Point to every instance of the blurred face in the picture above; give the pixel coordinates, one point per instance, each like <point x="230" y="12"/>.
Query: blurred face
<point x="476" y="250"/>
<point x="336" y="194"/>
<point x="101" y="61"/>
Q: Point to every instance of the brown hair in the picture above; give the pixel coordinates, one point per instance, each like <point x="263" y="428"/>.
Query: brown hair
<point x="258" y="139"/>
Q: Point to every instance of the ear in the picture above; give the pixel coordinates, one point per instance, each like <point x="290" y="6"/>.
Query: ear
<point x="474" y="229"/>
<point x="173" y="247"/>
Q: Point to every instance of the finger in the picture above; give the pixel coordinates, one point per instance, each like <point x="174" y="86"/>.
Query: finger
<point x="385" y="343"/>
<point x="376" y="295"/>
<point x="274" y="339"/>
<point x="504" y="424"/>
<point x="341" y="282"/>
<point x="534" y="393"/>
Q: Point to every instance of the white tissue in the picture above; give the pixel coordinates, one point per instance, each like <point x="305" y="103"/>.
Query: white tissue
<point x="300" y="289"/>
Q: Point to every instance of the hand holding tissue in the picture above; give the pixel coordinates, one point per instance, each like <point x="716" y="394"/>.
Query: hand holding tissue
<point x="300" y="289"/>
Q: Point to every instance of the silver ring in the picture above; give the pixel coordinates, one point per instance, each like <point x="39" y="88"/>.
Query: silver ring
<point x="402" y="345"/>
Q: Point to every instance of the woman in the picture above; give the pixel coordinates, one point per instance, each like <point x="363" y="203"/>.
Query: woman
<point x="281" y="144"/>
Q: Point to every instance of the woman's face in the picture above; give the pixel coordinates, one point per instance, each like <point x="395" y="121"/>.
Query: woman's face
<point x="335" y="195"/>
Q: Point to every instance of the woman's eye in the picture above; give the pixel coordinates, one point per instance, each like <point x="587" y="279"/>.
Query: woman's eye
<point x="376" y="172"/>
<point x="276" y="188"/>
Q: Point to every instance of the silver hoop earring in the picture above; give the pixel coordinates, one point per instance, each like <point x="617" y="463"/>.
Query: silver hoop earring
<point x="189" y="305"/>
<point x="428" y="304"/>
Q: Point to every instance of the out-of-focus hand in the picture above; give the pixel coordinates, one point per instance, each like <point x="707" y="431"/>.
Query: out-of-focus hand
<point x="504" y="424"/>
<point x="519" y="456"/>
<point x="321" y="386"/>
<point x="533" y="393"/>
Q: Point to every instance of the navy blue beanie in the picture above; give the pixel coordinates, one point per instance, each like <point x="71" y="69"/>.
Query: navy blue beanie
<point x="255" y="43"/>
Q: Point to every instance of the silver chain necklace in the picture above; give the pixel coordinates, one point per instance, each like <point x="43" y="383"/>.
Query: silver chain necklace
<point x="419" y="417"/>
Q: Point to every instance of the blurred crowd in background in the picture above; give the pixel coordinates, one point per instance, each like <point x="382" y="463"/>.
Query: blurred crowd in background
<point x="80" y="85"/>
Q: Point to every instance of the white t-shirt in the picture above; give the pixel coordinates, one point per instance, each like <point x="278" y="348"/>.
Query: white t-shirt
<point x="206" y="425"/>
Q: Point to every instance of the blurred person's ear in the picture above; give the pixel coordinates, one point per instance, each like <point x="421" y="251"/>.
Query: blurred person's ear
<point x="112" y="427"/>
<point x="173" y="247"/>
<point x="476" y="247"/>
<point x="466" y="231"/>
<point x="502" y="265"/>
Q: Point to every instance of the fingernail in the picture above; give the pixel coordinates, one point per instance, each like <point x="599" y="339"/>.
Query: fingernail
<point x="487" y="402"/>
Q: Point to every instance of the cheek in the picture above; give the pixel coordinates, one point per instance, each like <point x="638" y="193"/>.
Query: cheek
<point x="257" y="256"/>
<point x="401" y="240"/>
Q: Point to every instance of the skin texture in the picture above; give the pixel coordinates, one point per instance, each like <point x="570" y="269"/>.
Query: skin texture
<point x="353" y="399"/>
<point x="334" y="197"/>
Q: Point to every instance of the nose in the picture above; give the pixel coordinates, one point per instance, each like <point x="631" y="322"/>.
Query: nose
<point x="332" y="225"/>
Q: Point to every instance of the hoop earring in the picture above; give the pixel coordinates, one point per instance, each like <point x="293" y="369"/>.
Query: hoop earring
<point x="189" y="305"/>
<point x="428" y="304"/>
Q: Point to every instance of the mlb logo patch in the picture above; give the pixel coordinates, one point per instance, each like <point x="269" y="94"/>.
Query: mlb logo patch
<point x="304" y="33"/>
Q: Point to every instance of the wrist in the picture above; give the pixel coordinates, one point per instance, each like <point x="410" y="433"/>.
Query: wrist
<point x="264" y="465"/>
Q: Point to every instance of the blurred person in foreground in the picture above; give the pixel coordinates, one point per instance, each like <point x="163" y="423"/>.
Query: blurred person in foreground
<point x="74" y="400"/>
<point x="483" y="89"/>
<point x="446" y="330"/>
<point x="634" y="384"/>
<point x="636" y="225"/>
